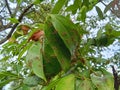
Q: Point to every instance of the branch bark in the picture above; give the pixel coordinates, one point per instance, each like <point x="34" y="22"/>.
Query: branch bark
<point x="15" y="25"/>
<point x="116" y="79"/>
<point x="3" y="27"/>
<point x="8" y="7"/>
<point x="112" y="10"/>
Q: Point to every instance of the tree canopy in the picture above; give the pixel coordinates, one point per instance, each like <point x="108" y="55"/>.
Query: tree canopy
<point x="59" y="44"/>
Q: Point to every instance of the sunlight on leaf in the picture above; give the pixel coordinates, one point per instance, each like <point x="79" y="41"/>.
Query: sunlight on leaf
<point x="35" y="61"/>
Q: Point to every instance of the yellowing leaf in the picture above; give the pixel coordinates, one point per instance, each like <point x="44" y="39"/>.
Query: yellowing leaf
<point x="66" y="83"/>
<point x="35" y="61"/>
<point x="84" y="84"/>
<point x="103" y="82"/>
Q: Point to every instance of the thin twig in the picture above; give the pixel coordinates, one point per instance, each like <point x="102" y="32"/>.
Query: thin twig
<point x="15" y="25"/>
<point x="2" y="9"/>
<point x="16" y="9"/>
<point x="110" y="9"/>
<point x="8" y="7"/>
<point x="106" y="5"/>
<point x="3" y="27"/>
<point x="25" y="11"/>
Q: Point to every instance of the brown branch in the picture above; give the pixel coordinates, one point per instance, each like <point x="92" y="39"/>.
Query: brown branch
<point x="106" y="5"/>
<point x="9" y="25"/>
<point x="8" y="7"/>
<point x="25" y="11"/>
<point x="3" y="27"/>
<point x="116" y="82"/>
<point x="112" y="10"/>
<point x="16" y="9"/>
<point x="2" y="9"/>
<point x="15" y="25"/>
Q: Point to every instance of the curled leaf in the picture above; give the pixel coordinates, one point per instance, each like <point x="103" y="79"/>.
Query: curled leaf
<point x="25" y="29"/>
<point x="34" y="60"/>
<point x="36" y="35"/>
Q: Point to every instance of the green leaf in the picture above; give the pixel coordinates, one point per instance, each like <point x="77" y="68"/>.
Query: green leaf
<point x="4" y="59"/>
<point x="58" y="6"/>
<point x="24" y="87"/>
<point x="56" y="43"/>
<point x="74" y="7"/>
<point x="86" y="3"/>
<point x="66" y="82"/>
<point x="13" y="20"/>
<point x="99" y="33"/>
<point x="37" y="1"/>
<point x="100" y="14"/>
<point x="84" y="85"/>
<point x="51" y="64"/>
<point x="82" y="14"/>
<point x="7" y="77"/>
<point x="108" y="6"/>
<point x="103" y="82"/>
<point x="85" y="73"/>
<point x="67" y="31"/>
<point x="115" y="33"/>
<point x="35" y="61"/>
<point x="31" y="81"/>
<point x="7" y="74"/>
<point x="19" y="1"/>
<point x="51" y="85"/>
<point x="24" y="50"/>
<point x="92" y="3"/>
<point x="108" y="29"/>
<point x="85" y="50"/>
<point x="102" y="41"/>
<point x="109" y="79"/>
<point x="3" y="83"/>
<point x="38" y="68"/>
<point x="99" y="83"/>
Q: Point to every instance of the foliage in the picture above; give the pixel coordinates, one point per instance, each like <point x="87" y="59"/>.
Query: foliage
<point x="49" y="51"/>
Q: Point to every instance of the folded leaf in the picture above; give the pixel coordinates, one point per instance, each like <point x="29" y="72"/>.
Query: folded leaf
<point x="51" y="64"/>
<point x="67" y="31"/>
<point x="35" y="61"/>
<point x="58" y="46"/>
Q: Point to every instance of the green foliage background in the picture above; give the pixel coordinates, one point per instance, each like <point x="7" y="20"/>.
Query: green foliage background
<point x="63" y="59"/>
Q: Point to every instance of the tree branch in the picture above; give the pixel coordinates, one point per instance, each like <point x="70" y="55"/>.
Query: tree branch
<point x="16" y="9"/>
<point x="112" y="10"/>
<point x="8" y="7"/>
<point x="106" y="5"/>
<point x="116" y="82"/>
<point x="15" y="25"/>
<point x="3" y="27"/>
<point x="2" y="9"/>
<point x="25" y="11"/>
